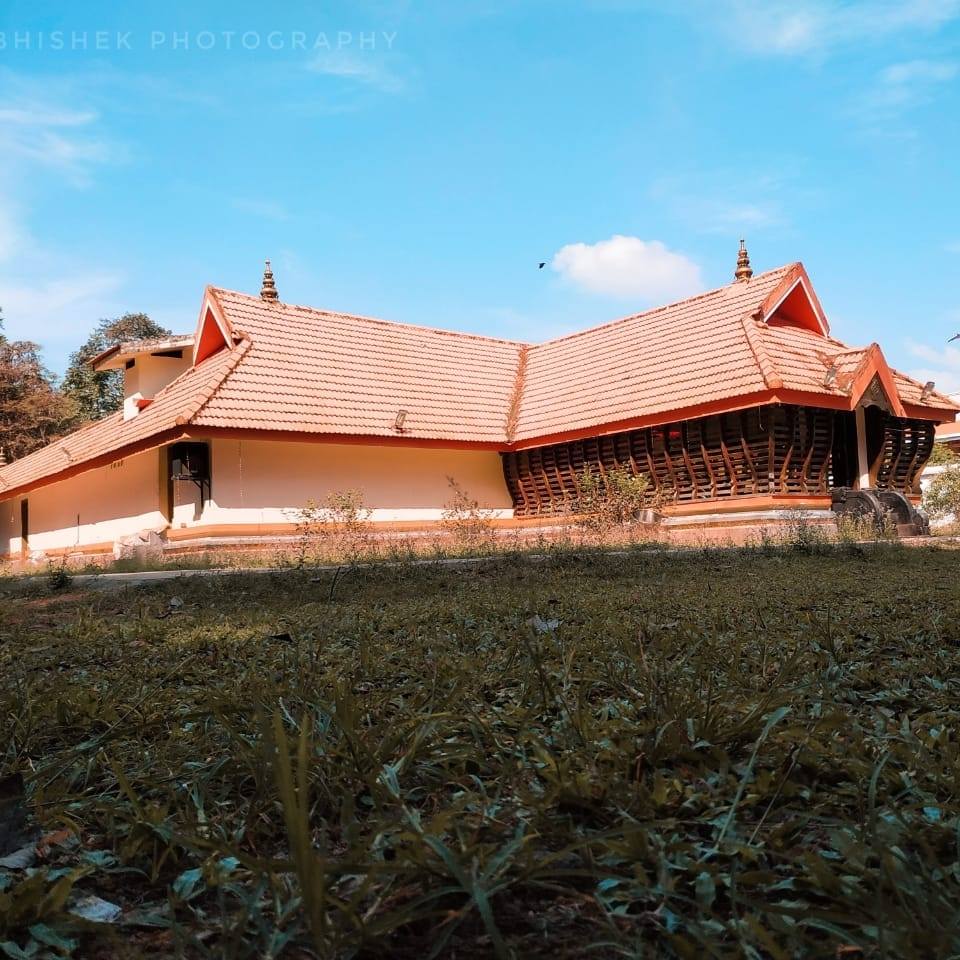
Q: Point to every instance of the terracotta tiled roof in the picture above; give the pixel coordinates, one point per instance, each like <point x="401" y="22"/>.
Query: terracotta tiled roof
<point x="113" y="433"/>
<point x="312" y="371"/>
<point x="685" y="354"/>
<point x="301" y="370"/>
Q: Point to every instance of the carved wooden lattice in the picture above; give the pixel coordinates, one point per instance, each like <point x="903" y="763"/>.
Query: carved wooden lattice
<point x="907" y="445"/>
<point x="764" y="450"/>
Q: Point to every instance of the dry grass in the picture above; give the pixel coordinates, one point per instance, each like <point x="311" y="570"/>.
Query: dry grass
<point x="715" y="754"/>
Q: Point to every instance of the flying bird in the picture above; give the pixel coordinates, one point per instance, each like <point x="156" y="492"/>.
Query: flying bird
<point x="956" y="336"/>
<point x="543" y="263"/>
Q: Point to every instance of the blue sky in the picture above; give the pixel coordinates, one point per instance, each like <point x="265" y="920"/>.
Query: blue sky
<point x="416" y="160"/>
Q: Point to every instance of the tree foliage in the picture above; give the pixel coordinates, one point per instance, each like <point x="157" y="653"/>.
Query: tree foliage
<point x="942" y="498"/>
<point x="32" y="411"/>
<point x="96" y="394"/>
<point x="942" y="454"/>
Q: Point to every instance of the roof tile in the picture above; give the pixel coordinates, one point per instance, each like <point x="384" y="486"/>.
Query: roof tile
<point x="309" y="371"/>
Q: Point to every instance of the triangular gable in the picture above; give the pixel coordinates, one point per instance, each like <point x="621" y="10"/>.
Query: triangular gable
<point x="214" y="331"/>
<point x="874" y="373"/>
<point x="793" y="303"/>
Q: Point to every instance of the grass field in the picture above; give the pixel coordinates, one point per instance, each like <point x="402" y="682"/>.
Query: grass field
<point x="705" y="755"/>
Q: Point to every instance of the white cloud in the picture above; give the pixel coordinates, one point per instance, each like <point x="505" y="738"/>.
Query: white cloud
<point x="905" y="84"/>
<point x="367" y="69"/>
<point x="47" y="136"/>
<point x="942" y="364"/>
<point x="800" y="27"/>
<point x="629" y="267"/>
<point x="47" y="295"/>
<point x="45" y="117"/>
<point x="731" y="201"/>
<point x="52" y="308"/>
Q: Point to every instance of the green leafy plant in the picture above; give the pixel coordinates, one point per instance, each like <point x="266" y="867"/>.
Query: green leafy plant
<point x="610" y="500"/>
<point x="58" y="575"/>
<point x="942" y="496"/>
<point x="941" y="455"/>
<point x="706" y="753"/>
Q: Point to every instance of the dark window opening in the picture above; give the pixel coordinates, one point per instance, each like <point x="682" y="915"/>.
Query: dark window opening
<point x="190" y="462"/>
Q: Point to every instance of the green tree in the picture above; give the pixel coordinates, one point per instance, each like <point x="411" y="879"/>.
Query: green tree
<point x="942" y="497"/>
<point x="32" y="411"/>
<point x="97" y="394"/>
<point x="941" y="454"/>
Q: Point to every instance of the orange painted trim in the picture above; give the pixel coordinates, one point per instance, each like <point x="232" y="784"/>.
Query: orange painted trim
<point x="936" y="414"/>
<point x="732" y="505"/>
<point x="746" y="504"/>
<point x="196" y="432"/>
<point x="805" y="398"/>
<point x="228" y="530"/>
<point x="872" y="365"/>
<point x="728" y="405"/>
<point x="87" y="550"/>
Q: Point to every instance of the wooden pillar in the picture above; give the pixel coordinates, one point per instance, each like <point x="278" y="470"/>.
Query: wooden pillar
<point x="863" y="465"/>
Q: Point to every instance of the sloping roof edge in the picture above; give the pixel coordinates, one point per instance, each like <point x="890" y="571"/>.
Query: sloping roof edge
<point x="176" y="421"/>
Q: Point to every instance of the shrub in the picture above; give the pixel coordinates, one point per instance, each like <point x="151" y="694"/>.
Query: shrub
<point x="467" y="522"/>
<point x="617" y="498"/>
<point x="339" y="526"/>
<point x="942" y="498"/>
<point x="942" y="454"/>
<point x="58" y="577"/>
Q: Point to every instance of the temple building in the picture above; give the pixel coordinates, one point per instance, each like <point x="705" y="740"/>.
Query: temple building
<point x="736" y="403"/>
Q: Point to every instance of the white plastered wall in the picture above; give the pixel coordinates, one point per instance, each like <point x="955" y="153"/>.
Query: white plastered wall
<point x="266" y="482"/>
<point x="256" y="482"/>
<point x="9" y="528"/>
<point x="150" y="374"/>
<point x="96" y="507"/>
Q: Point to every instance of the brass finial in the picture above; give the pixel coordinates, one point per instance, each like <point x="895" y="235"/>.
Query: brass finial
<point x="269" y="289"/>
<point x="744" y="271"/>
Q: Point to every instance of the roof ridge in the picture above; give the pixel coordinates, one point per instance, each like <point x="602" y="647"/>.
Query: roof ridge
<point x="302" y="308"/>
<point x="653" y="311"/>
<point x="214" y="384"/>
<point x="516" y="395"/>
<point x="768" y="369"/>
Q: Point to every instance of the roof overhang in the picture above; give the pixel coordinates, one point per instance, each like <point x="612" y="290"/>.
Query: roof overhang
<point x="116" y="357"/>
<point x="949" y="431"/>
<point x="874" y="366"/>
<point x="784" y="396"/>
